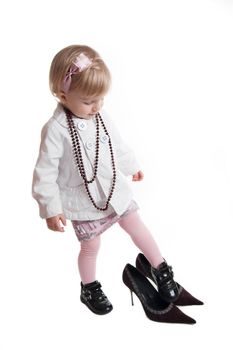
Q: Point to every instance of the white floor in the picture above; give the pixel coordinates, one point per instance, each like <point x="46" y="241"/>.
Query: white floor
<point x="41" y="306"/>
<point x="171" y="98"/>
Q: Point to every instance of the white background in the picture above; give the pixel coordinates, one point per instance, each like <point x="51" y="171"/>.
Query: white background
<point x="171" y="97"/>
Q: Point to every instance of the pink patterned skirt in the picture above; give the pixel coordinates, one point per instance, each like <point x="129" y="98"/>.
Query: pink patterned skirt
<point x="86" y="230"/>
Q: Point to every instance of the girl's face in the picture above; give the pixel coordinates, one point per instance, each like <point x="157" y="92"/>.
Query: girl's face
<point x="82" y="106"/>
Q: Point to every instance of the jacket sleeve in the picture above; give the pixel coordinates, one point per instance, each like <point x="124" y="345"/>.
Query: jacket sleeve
<point x="45" y="189"/>
<point x="125" y="157"/>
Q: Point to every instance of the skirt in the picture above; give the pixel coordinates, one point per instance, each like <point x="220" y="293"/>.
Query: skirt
<point x="86" y="230"/>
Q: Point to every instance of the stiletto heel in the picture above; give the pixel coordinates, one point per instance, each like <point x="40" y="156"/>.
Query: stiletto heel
<point x="131" y="297"/>
<point x="156" y="309"/>
<point x="183" y="297"/>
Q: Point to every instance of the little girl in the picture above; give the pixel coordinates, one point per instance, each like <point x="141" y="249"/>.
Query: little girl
<point x="81" y="172"/>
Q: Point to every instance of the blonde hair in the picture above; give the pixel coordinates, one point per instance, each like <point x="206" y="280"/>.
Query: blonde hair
<point x="95" y="80"/>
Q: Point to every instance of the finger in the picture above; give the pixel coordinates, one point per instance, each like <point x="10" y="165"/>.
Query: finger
<point x="141" y="177"/>
<point x="63" y="219"/>
<point x="59" y="228"/>
<point x="56" y="227"/>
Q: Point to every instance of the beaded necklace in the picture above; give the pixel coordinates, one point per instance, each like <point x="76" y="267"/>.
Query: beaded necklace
<point x="79" y="158"/>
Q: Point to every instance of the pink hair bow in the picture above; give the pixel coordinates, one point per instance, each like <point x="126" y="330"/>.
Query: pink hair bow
<point x="80" y="64"/>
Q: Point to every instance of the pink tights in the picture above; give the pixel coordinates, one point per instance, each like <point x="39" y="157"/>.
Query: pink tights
<point x="139" y="234"/>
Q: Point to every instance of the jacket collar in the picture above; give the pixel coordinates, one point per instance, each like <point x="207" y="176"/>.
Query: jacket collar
<point x="60" y="117"/>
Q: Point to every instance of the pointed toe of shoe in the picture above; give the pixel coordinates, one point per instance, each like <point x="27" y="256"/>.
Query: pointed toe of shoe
<point x="177" y="316"/>
<point x="185" y="298"/>
<point x="171" y="315"/>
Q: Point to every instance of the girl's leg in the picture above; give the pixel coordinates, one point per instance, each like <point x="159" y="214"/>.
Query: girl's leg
<point x="91" y="293"/>
<point x="87" y="259"/>
<point x="161" y="273"/>
<point x="142" y="237"/>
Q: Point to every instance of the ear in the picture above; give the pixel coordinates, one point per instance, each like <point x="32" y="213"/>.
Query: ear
<point x="62" y="97"/>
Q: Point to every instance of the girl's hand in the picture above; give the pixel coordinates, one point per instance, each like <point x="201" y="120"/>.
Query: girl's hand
<point x="138" y="176"/>
<point x="54" y="223"/>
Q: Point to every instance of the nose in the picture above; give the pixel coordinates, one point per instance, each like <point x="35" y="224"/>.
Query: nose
<point x="94" y="108"/>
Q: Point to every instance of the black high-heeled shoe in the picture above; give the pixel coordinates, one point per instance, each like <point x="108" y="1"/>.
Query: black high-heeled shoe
<point x="156" y="309"/>
<point x="183" y="298"/>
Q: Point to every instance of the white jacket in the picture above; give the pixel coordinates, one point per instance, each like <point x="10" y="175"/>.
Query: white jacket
<point x="57" y="184"/>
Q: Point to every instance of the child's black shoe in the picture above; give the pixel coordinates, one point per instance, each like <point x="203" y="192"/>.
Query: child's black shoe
<point x="163" y="277"/>
<point x="184" y="297"/>
<point x="94" y="298"/>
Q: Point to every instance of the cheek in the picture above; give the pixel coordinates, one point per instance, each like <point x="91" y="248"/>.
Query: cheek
<point x="87" y="108"/>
